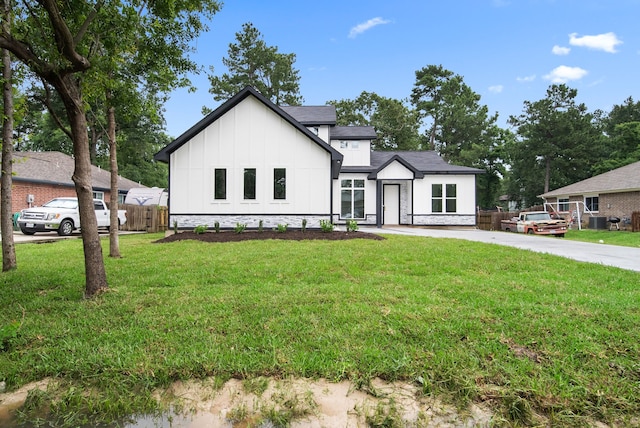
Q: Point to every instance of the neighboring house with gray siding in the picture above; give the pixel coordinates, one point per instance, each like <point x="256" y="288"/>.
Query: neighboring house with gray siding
<point x="251" y="160"/>
<point x="613" y="194"/>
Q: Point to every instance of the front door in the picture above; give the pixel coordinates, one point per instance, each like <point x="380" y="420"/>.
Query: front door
<point x="391" y="204"/>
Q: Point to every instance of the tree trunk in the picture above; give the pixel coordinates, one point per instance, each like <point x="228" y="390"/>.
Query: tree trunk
<point x="68" y="87"/>
<point x="6" y="212"/>
<point x="114" y="243"/>
<point x="547" y="174"/>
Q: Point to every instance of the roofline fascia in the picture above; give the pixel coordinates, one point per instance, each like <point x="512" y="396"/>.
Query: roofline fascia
<point x="589" y="192"/>
<point x="57" y="183"/>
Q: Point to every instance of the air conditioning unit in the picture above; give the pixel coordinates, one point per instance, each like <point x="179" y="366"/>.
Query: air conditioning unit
<point x="30" y="199"/>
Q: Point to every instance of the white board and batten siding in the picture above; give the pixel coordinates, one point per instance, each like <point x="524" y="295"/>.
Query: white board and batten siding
<point x="250" y="135"/>
<point x="465" y="214"/>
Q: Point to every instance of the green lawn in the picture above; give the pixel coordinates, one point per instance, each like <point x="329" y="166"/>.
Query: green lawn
<point x="612" y="237"/>
<point x="522" y="331"/>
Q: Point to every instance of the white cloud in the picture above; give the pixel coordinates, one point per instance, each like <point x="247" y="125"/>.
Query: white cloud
<point x="560" y="50"/>
<point x="603" y="42"/>
<point x="361" y="28"/>
<point x="526" y="78"/>
<point x="496" y="89"/>
<point x="564" y="73"/>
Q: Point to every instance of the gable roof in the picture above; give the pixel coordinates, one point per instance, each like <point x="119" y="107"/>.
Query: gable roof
<point x="396" y="158"/>
<point x="312" y="115"/>
<point x="57" y="168"/>
<point x="623" y="179"/>
<point x="164" y="154"/>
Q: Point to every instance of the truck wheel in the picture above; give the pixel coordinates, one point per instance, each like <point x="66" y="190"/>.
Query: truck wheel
<point x="27" y="231"/>
<point x="530" y="231"/>
<point x="507" y="230"/>
<point x="66" y="227"/>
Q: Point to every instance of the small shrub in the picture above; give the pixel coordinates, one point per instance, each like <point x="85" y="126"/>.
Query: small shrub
<point x="304" y="224"/>
<point x="260" y="226"/>
<point x="216" y="226"/>
<point x="175" y="226"/>
<point x="281" y="228"/>
<point x="240" y="227"/>
<point x="352" y="225"/>
<point x="200" y="229"/>
<point x="326" y="226"/>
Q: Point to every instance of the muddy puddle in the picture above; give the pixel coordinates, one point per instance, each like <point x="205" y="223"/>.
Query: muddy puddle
<point x="267" y="402"/>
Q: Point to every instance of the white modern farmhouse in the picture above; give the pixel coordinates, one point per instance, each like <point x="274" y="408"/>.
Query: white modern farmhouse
<point x="251" y="161"/>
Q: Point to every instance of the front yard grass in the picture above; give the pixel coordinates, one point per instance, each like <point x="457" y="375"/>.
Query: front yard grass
<point x="625" y="238"/>
<point x="527" y="333"/>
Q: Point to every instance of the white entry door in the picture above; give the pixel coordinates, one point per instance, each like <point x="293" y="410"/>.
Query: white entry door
<point x="391" y="204"/>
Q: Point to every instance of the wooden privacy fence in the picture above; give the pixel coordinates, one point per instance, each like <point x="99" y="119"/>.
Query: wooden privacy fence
<point x="146" y="218"/>
<point x="490" y="220"/>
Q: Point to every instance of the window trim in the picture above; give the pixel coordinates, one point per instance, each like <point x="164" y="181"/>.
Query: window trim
<point x="283" y="185"/>
<point x="215" y="184"/>
<point x="246" y="195"/>
<point x="352" y="189"/>
<point x="563" y="204"/>
<point x="443" y="198"/>
<point x="590" y="206"/>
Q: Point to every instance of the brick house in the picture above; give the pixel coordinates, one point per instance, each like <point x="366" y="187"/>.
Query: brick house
<point x="41" y="176"/>
<point x="615" y="193"/>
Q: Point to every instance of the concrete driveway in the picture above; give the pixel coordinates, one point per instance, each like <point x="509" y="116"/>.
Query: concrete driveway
<point x="609" y="255"/>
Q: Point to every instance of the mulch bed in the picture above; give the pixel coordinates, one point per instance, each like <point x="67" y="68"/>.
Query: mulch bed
<point x="248" y="235"/>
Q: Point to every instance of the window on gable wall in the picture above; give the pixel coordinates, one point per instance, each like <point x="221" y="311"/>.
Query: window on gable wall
<point x="352" y="199"/>
<point x="279" y="183"/>
<point x="220" y="183"/>
<point x="249" y="183"/>
<point x="444" y="197"/>
<point x="353" y="145"/>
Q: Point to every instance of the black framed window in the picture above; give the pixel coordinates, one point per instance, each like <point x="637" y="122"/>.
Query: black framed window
<point x="352" y="199"/>
<point x="436" y="198"/>
<point x="220" y="183"/>
<point x="444" y="198"/>
<point x="279" y="183"/>
<point x="451" y="191"/>
<point x="249" y="183"/>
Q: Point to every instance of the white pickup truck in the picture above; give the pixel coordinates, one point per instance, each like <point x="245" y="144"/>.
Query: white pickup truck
<point x="62" y="215"/>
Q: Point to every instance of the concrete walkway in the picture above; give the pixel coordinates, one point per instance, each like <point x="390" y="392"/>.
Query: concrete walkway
<point x="609" y="255"/>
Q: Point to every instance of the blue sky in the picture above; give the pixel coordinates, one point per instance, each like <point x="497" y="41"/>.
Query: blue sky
<point x="508" y="51"/>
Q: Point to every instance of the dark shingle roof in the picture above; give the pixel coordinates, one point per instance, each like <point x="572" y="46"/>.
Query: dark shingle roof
<point x="352" y="133"/>
<point x="57" y="168"/>
<point x="312" y="115"/>
<point x="428" y="162"/>
<point x="623" y="179"/>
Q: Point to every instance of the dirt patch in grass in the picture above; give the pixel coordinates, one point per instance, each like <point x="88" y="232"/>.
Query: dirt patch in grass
<point x="289" y="235"/>
<point x="268" y="402"/>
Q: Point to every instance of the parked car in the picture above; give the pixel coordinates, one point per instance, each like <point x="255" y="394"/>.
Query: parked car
<point x="62" y="215"/>
<point x="535" y="222"/>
